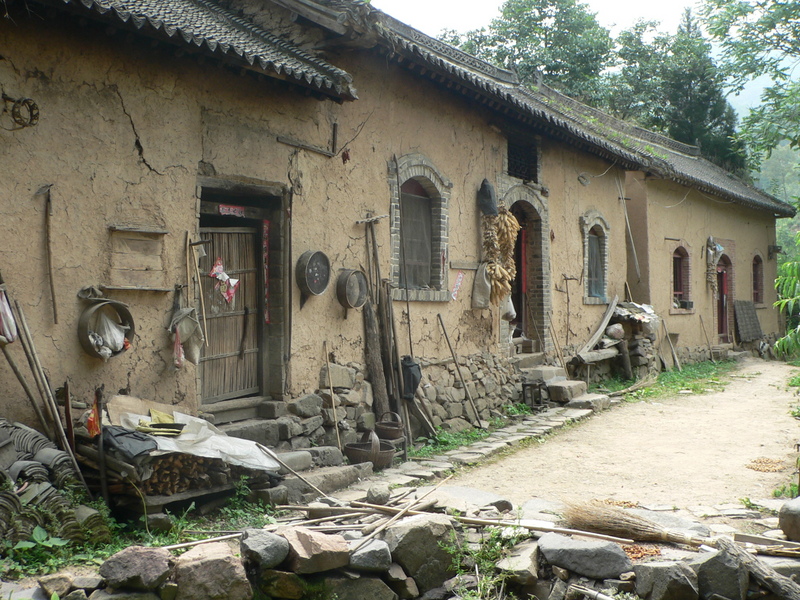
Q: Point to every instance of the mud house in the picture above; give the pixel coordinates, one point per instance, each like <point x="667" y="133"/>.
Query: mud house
<point x="137" y="136"/>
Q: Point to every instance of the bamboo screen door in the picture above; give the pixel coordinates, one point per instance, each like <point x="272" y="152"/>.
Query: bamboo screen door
<point x="232" y="360"/>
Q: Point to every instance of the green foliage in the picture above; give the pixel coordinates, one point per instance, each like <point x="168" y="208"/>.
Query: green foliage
<point x="559" y="40"/>
<point x="446" y="440"/>
<point x="788" y="490"/>
<point x="788" y="287"/>
<point x="518" y="409"/>
<point x="761" y="38"/>
<point x="40" y="554"/>
<point x="482" y="561"/>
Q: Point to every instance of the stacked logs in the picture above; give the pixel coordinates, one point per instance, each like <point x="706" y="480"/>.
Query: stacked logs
<point x="177" y="473"/>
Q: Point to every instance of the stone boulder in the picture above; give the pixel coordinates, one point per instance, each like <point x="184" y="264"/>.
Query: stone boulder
<point x="593" y="559"/>
<point x="362" y="588"/>
<point x="789" y="519"/>
<point x="263" y="549"/>
<point x="105" y="594"/>
<point x="211" y="572"/>
<point x="416" y="544"/>
<point x="309" y="405"/>
<point x="281" y="584"/>
<point x="522" y="563"/>
<point x="341" y="377"/>
<point x="373" y="556"/>
<point x="720" y="573"/>
<point x="137" y="568"/>
<point x="57" y="583"/>
<point x="379" y="493"/>
<point x="666" y="581"/>
<point x="314" y="552"/>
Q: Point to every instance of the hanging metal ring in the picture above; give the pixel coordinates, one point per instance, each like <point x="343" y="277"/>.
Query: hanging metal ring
<point x="25" y="112"/>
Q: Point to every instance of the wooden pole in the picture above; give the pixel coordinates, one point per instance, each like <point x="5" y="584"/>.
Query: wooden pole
<point x="272" y="454"/>
<point x="50" y="401"/>
<point x="48" y="225"/>
<point x="28" y="392"/>
<point x="460" y="376"/>
<point x="708" y="341"/>
<point x="781" y="586"/>
<point x="671" y="346"/>
<point x="333" y="396"/>
<point x="401" y="513"/>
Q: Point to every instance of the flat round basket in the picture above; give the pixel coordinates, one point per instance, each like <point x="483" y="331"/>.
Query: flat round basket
<point x="370" y="449"/>
<point x="390" y="428"/>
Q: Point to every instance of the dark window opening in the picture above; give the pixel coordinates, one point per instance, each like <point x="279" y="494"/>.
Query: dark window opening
<point x="415" y="236"/>
<point x="680" y="277"/>
<point x="522" y="161"/>
<point x="595" y="275"/>
<point x="758" y="280"/>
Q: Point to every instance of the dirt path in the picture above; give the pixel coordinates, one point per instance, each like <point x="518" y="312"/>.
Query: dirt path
<point x="686" y="450"/>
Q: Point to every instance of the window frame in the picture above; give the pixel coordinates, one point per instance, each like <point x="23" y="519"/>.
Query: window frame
<point x="757" y="279"/>
<point x="593" y="224"/>
<point x="438" y="188"/>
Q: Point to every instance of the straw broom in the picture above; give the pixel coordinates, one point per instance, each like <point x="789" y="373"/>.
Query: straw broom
<point x="602" y="518"/>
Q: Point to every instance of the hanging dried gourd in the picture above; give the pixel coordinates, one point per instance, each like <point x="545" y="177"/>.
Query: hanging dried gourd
<point x="499" y="239"/>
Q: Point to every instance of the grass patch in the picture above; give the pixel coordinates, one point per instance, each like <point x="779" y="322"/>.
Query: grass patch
<point x="788" y="490"/>
<point x="444" y="441"/>
<point x="698" y="378"/>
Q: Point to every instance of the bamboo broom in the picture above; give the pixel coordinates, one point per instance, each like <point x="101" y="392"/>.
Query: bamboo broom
<point x="602" y="518"/>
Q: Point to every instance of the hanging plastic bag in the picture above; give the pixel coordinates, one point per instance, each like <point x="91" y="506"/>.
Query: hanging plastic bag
<point x="113" y="333"/>
<point x="481" y="288"/>
<point x="177" y="351"/>
<point x="507" y="310"/>
<point x="8" y="326"/>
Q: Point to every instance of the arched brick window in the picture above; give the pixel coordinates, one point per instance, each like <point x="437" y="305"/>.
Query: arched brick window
<point x="681" y="288"/>
<point x="418" y="229"/>
<point x="595" y="257"/>
<point x="758" y="280"/>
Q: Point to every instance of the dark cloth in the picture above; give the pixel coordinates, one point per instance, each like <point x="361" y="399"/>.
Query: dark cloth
<point x="127" y="442"/>
<point x="487" y="201"/>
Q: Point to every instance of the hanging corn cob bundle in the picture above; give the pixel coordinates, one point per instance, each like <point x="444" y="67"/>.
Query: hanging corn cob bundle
<point x="499" y="237"/>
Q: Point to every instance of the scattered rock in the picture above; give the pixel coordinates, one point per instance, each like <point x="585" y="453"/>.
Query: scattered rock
<point x="720" y="573"/>
<point x="415" y="545"/>
<point x="465" y="499"/>
<point x="75" y="595"/>
<point x="363" y="588"/>
<point x="137" y="568"/>
<point x="789" y="519"/>
<point x="122" y="595"/>
<point x="379" y="493"/>
<point x="374" y="556"/>
<point x="264" y="549"/>
<point x="666" y="581"/>
<point x="522" y="563"/>
<point x="314" y="552"/>
<point x="594" y="559"/>
<point x="58" y="583"/>
<point x="87" y="582"/>
<point x="281" y="584"/>
<point x="211" y="572"/>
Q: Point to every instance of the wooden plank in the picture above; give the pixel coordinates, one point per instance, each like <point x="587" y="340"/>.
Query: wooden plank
<point x="763" y="541"/>
<point x="598" y="333"/>
<point x="146" y="230"/>
<point x="136" y="245"/>
<point x="140" y="279"/>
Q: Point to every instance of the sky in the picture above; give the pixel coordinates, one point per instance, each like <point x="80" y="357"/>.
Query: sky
<point x="432" y="16"/>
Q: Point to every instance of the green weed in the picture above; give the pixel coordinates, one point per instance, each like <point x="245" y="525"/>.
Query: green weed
<point x="518" y="409"/>
<point x="788" y="490"/>
<point x="698" y="378"/>
<point x="446" y="440"/>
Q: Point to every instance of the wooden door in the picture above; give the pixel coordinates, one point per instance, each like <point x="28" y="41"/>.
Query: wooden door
<point x="722" y="302"/>
<point x="232" y="360"/>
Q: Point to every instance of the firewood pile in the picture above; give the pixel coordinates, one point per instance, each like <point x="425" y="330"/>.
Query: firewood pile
<point x="164" y="474"/>
<point x="37" y="487"/>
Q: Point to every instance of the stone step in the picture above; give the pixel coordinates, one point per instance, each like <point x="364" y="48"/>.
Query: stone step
<point x="594" y="402"/>
<point x="564" y="391"/>
<point x="264" y="431"/>
<point x="527" y="360"/>
<point x="546" y="372"/>
<point x="237" y="409"/>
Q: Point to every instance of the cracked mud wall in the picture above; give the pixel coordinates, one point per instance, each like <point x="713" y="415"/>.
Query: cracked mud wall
<point x="106" y="143"/>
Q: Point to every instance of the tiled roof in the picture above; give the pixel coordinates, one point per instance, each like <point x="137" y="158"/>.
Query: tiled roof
<point x="213" y="29"/>
<point x="630" y="146"/>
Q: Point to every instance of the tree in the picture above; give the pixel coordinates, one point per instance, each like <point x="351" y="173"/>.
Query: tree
<point x="761" y="37"/>
<point x="559" y="40"/>
<point x="670" y="83"/>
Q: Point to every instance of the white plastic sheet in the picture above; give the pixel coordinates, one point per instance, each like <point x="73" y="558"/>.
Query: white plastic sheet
<point x="201" y="438"/>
